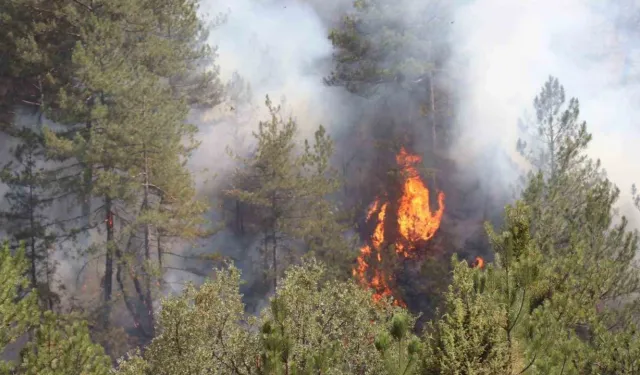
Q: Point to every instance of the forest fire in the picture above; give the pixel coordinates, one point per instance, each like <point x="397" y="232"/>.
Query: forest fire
<point x="414" y="225"/>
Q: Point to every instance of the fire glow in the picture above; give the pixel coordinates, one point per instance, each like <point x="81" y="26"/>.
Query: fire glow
<point x="416" y="224"/>
<point x="478" y="263"/>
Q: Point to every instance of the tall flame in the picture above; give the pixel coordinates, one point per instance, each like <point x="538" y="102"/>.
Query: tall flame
<point x="415" y="223"/>
<point x="415" y="220"/>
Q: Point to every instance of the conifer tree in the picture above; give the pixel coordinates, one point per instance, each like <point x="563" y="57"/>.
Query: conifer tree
<point x="588" y="252"/>
<point x="378" y="45"/>
<point x="62" y="346"/>
<point x="531" y="313"/>
<point x="36" y="55"/>
<point x="58" y="345"/>
<point x="26" y="218"/>
<point x="394" y="55"/>
<point x="570" y="196"/>
<point x="287" y="189"/>
<point x="516" y="283"/>
<point x="399" y="348"/>
<point x="470" y="337"/>
<point x="556" y="136"/>
<point x="130" y="91"/>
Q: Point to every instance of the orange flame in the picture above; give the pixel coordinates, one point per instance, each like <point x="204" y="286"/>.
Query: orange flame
<point x="415" y="220"/>
<point x="415" y="223"/>
<point x="479" y="263"/>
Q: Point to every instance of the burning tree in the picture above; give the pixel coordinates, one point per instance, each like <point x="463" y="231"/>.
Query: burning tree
<point x="405" y="223"/>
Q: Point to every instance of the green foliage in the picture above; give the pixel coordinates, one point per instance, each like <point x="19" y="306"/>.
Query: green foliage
<point x="615" y="353"/>
<point x="518" y="281"/>
<point x="57" y="344"/>
<point x="470" y="338"/>
<point x="399" y="348"/>
<point x="18" y="312"/>
<point x="202" y="331"/>
<point x="129" y="71"/>
<point x="578" y="271"/>
<point x="556" y="137"/>
<point x="120" y="76"/>
<point x="25" y="218"/>
<point x="320" y="326"/>
<point x="287" y="191"/>
<point x="62" y="347"/>
<point x="559" y="297"/>
<point x="378" y="44"/>
<point x="310" y="327"/>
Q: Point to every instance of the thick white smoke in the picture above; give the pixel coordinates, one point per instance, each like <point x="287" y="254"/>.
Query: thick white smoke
<point x="507" y="49"/>
<point x="276" y="48"/>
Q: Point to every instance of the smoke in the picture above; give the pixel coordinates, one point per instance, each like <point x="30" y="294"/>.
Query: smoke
<point x="278" y="48"/>
<point x="507" y="49"/>
<point x="503" y="51"/>
<point x="266" y="47"/>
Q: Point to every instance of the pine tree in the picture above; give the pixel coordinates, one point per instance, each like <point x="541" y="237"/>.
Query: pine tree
<point x="399" y="348"/>
<point x="287" y="190"/>
<point x="588" y="256"/>
<point x="130" y="91"/>
<point x="62" y="346"/>
<point x="378" y="44"/>
<point x="394" y="56"/>
<point x="516" y="283"/>
<point x="615" y="353"/>
<point x="36" y="63"/>
<point x="36" y="55"/>
<point x="556" y="137"/>
<point x="26" y="218"/>
<point x="571" y="198"/>
<point x="58" y="345"/>
<point x="471" y="335"/>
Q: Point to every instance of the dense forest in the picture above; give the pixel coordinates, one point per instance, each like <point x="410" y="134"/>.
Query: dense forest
<point x="168" y="209"/>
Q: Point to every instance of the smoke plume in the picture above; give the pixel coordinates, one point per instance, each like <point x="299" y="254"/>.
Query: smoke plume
<point x="507" y="49"/>
<point x="275" y="48"/>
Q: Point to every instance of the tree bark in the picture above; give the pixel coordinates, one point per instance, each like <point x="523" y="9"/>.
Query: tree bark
<point x="147" y="246"/>
<point x="108" y="268"/>
<point x="32" y="225"/>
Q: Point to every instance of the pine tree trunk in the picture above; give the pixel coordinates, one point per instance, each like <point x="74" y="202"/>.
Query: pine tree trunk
<point x="160" y="249"/>
<point x="147" y="247"/>
<point x="433" y="112"/>
<point x="239" y="218"/>
<point x="88" y="171"/>
<point x="274" y="242"/>
<point x="434" y="140"/>
<point x="32" y="224"/>
<point x="275" y="265"/>
<point x="48" y="275"/>
<point x="108" y="269"/>
<point x="552" y="147"/>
